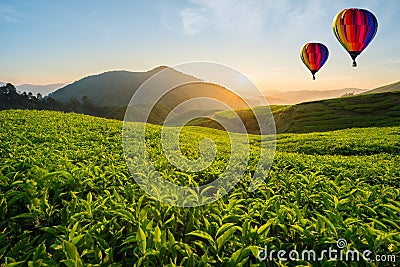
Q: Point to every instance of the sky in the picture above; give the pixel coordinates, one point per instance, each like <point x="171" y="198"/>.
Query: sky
<point x="46" y="42"/>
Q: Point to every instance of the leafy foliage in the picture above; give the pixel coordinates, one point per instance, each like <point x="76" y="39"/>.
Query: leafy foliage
<point x="67" y="198"/>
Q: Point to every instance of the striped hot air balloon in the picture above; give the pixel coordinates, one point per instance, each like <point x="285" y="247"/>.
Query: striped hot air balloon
<point x="314" y="56"/>
<point x="355" y="28"/>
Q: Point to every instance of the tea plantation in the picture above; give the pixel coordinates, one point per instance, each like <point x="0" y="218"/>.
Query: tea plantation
<point x="67" y="198"/>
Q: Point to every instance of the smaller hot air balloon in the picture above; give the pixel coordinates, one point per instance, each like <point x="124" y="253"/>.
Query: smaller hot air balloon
<point x="355" y="28"/>
<point x="314" y="56"/>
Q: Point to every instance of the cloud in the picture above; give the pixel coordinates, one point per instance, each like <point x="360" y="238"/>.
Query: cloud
<point x="222" y="15"/>
<point x="8" y="15"/>
<point x="390" y="62"/>
<point x="193" y="20"/>
<point x="251" y="16"/>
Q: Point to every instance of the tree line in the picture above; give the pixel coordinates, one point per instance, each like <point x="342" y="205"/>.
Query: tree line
<point x="11" y="98"/>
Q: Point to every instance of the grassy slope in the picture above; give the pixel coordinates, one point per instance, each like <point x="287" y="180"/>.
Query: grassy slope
<point x="326" y="115"/>
<point x="66" y="195"/>
<point x="347" y="112"/>
<point x="246" y="115"/>
<point x="386" y="88"/>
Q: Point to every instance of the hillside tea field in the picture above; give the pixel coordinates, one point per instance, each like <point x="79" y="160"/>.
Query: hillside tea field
<point x="67" y="198"/>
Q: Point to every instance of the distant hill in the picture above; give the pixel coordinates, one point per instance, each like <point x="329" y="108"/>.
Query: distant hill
<point x="42" y="89"/>
<point x="270" y="100"/>
<point x="370" y="110"/>
<point x="387" y="88"/>
<point x="295" y="97"/>
<point x="113" y="88"/>
<point x="116" y="88"/>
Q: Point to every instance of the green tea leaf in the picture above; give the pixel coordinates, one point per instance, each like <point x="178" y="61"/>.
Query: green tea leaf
<point x="201" y="234"/>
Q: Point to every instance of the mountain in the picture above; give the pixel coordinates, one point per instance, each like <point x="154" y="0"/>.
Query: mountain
<point x="36" y="89"/>
<point x="386" y="88"/>
<point x="276" y="101"/>
<point x="114" y="88"/>
<point x="257" y="101"/>
<point x="295" y="97"/>
<point x="42" y="89"/>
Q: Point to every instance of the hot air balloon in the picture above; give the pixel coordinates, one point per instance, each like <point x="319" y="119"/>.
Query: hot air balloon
<point x="355" y="28"/>
<point x="314" y="56"/>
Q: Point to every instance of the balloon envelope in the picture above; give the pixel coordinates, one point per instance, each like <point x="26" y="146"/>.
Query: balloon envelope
<point x="314" y="56"/>
<point x="355" y="28"/>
